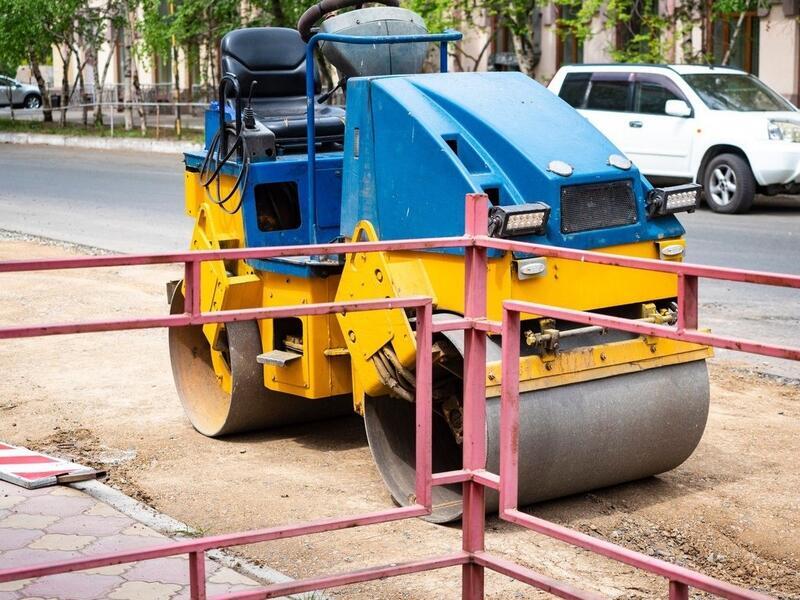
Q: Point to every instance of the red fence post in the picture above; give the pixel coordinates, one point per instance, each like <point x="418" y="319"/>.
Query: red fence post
<point x="197" y="575"/>
<point x="687" y="301"/>
<point x="424" y="406"/>
<point x="678" y="591"/>
<point x="191" y="282"/>
<point x="474" y="515"/>
<point x="509" y="412"/>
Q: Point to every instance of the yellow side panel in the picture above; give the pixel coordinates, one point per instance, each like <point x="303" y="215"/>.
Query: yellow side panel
<point x="566" y="283"/>
<point x="318" y="374"/>
<point x="372" y="276"/>
<point x="324" y="369"/>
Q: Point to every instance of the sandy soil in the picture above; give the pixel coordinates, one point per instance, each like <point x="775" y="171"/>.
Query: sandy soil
<point x="731" y="510"/>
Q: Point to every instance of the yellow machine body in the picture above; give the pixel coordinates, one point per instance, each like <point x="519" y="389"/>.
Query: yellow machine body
<point x="336" y="351"/>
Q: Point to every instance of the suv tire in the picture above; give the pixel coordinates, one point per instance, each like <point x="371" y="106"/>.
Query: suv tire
<point x="729" y="184"/>
<point x="32" y="101"/>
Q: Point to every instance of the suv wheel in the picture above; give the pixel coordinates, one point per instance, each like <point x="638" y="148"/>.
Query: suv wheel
<point x="32" y="101"/>
<point x="729" y="184"/>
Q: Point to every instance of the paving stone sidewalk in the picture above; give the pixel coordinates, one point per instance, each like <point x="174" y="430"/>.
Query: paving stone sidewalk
<point x="59" y="522"/>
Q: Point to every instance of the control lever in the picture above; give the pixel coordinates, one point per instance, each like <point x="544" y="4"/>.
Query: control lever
<point x="258" y="139"/>
<point x="323" y="98"/>
<point x="248" y="115"/>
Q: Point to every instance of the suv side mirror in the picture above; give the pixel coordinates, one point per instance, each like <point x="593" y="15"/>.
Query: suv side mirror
<point x="677" y="108"/>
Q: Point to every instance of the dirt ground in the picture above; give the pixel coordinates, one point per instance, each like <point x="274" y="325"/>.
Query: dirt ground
<point x="107" y="399"/>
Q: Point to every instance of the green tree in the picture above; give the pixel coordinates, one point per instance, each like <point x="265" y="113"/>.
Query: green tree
<point x="640" y="26"/>
<point x="647" y="35"/>
<point x="26" y="39"/>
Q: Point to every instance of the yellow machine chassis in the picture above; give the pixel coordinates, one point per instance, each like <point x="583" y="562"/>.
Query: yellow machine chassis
<point x="337" y="351"/>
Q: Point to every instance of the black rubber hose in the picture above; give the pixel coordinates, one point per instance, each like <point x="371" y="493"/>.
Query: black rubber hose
<point x="241" y="180"/>
<point x="319" y="10"/>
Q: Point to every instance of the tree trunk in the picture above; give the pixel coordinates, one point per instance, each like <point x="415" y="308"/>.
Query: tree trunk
<point x="98" y="114"/>
<point x="8" y="90"/>
<point x="524" y="54"/>
<point x="734" y="37"/>
<point x="82" y="95"/>
<point x="176" y="89"/>
<point x="279" y="15"/>
<point x="127" y="66"/>
<point x="212" y="61"/>
<point x="37" y="73"/>
<point x="97" y="95"/>
<point x="140" y="99"/>
<point x="65" y="90"/>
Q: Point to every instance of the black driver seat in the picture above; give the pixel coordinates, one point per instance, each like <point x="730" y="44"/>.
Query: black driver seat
<point x="275" y="57"/>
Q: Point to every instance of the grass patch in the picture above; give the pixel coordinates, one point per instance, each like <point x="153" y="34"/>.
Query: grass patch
<point x="77" y="129"/>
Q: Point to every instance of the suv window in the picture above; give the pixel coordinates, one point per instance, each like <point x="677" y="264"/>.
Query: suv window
<point x="652" y="92"/>
<point x="608" y="93"/>
<point x="573" y="90"/>
<point x="5" y="81"/>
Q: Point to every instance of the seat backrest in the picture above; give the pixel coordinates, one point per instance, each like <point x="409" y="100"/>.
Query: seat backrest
<point x="273" y="56"/>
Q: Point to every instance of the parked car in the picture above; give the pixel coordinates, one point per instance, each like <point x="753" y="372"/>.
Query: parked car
<point x="717" y="126"/>
<point x="19" y="94"/>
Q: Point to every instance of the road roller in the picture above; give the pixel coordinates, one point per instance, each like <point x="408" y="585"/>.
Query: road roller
<point x="393" y="161"/>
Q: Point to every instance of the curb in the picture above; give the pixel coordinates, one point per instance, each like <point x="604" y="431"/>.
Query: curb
<point x="174" y="528"/>
<point x="100" y="143"/>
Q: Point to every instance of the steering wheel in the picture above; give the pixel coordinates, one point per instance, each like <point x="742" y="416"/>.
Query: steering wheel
<point x="316" y="12"/>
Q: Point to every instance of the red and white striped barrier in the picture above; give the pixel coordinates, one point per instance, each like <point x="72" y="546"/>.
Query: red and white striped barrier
<point x="31" y="470"/>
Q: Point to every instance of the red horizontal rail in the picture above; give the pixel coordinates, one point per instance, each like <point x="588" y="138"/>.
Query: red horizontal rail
<point x="211" y="542"/>
<point x="482" y="476"/>
<point x="340" y="579"/>
<point x="649" y="264"/>
<point x="589" y="256"/>
<point x="650" y="329"/>
<point x="123" y="260"/>
<point x="222" y="316"/>
<point x="630" y="557"/>
<point x="531" y="577"/>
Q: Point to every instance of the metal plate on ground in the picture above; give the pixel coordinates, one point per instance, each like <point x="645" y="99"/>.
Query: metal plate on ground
<point x="32" y="470"/>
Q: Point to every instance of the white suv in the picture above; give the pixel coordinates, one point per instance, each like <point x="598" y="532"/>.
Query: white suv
<point x="717" y="126"/>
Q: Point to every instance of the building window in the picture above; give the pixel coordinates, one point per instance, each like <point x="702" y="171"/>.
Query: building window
<point x="569" y="50"/>
<point x="744" y="54"/>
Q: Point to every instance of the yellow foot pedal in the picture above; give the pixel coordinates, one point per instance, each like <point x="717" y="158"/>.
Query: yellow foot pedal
<point x="277" y="358"/>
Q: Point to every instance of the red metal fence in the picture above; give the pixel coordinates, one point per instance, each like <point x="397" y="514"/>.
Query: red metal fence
<point x="475" y="479"/>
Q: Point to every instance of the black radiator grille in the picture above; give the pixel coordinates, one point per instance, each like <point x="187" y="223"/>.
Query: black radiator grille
<point x="597" y="205"/>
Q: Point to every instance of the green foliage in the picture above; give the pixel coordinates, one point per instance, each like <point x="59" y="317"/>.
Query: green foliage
<point x="728" y="7"/>
<point x="24" y="27"/>
<point x="643" y="33"/>
<point x="517" y="15"/>
<point x="638" y="22"/>
<point x="9" y="68"/>
<point x="438" y="14"/>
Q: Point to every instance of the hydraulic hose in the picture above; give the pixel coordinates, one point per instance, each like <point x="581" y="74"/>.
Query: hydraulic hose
<point x="219" y="146"/>
<point x="319" y="10"/>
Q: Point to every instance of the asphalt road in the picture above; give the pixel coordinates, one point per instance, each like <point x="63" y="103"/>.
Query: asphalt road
<point x="133" y="202"/>
<point x="121" y="201"/>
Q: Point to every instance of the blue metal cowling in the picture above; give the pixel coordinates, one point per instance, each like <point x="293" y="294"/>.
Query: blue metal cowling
<point x="424" y="141"/>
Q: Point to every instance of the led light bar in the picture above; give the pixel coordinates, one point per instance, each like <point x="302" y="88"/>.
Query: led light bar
<point x="678" y="198"/>
<point x="518" y="219"/>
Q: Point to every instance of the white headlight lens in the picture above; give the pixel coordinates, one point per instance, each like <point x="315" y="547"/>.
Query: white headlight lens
<point x="670" y="200"/>
<point x="681" y="200"/>
<point x="788" y="131"/>
<point x="518" y="219"/>
<point x="531" y="220"/>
